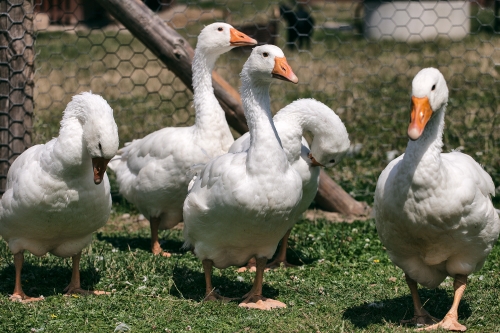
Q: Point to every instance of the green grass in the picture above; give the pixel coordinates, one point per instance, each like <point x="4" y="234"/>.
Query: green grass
<point x="343" y="282"/>
<point x="341" y="285"/>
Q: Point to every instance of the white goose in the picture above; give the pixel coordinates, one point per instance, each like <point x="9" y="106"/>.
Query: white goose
<point x="329" y="145"/>
<point x="54" y="199"/>
<point x="433" y="211"/>
<point x="241" y="204"/>
<point x="152" y="172"/>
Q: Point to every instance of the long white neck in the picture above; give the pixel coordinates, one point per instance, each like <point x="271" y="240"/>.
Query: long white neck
<point x="209" y="115"/>
<point x="290" y="133"/>
<point x="427" y="149"/>
<point x="69" y="154"/>
<point x="298" y="117"/>
<point x="291" y="125"/>
<point x="265" y="147"/>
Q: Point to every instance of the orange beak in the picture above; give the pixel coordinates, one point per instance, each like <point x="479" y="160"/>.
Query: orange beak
<point x="240" y="39"/>
<point x="99" y="164"/>
<point x="421" y="112"/>
<point x="283" y="71"/>
<point x="313" y="161"/>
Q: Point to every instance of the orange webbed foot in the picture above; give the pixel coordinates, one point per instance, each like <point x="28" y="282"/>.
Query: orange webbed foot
<point x="71" y="290"/>
<point x="23" y="298"/>
<point x="156" y="249"/>
<point x="261" y="303"/>
<point x="251" y="266"/>
<point x="449" y="323"/>
<point x="246" y="268"/>
<point x="422" y="320"/>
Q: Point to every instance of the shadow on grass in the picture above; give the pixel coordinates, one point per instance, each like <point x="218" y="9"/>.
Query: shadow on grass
<point x="47" y="280"/>
<point x="124" y="243"/>
<point x="297" y="258"/>
<point x="437" y="302"/>
<point x="294" y="255"/>
<point x="190" y="284"/>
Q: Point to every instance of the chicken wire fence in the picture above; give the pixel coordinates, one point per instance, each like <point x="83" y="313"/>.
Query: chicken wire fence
<point x="359" y="58"/>
<point x="16" y="81"/>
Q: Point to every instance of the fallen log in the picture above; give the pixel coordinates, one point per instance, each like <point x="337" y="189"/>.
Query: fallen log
<point x="331" y="197"/>
<point x="176" y="53"/>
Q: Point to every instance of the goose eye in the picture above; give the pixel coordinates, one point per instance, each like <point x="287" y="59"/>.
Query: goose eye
<point x="332" y="160"/>
<point x="433" y="87"/>
<point x="220" y="29"/>
<point x="100" y="147"/>
<point x="265" y="54"/>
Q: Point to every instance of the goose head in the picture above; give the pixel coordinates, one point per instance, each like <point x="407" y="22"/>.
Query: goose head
<point x="100" y="133"/>
<point x="429" y="96"/>
<point x="330" y="143"/>
<point x="267" y="62"/>
<point x="219" y="38"/>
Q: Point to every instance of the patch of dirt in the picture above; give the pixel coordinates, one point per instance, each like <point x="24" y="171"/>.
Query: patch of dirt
<point x="135" y="222"/>
<point x="130" y="223"/>
<point x="316" y="214"/>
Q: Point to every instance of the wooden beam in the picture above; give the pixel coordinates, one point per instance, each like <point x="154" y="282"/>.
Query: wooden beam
<point x="331" y="197"/>
<point x="176" y="53"/>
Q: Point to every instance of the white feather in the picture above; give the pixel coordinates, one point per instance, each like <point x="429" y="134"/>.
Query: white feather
<point x="51" y="203"/>
<point x="243" y="203"/>
<point x="433" y="210"/>
<point x="153" y="172"/>
<point x="330" y="142"/>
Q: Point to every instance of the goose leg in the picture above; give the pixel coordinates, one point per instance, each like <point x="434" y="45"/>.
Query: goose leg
<point x="18" y="295"/>
<point x="421" y="316"/>
<point x="450" y="321"/>
<point x="281" y="257"/>
<point x="210" y="294"/>
<point x="74" y="285"/>
<point x="254" y="298"/>
<point x="154" y="223"/>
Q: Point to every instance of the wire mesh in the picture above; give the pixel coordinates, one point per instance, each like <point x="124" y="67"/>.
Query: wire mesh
<point x="16" y="81"/>
<point x="357" y="57"/>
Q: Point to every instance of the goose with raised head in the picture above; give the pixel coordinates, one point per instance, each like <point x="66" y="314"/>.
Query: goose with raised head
<point x="433" y="210"/>
<point x="58" y="193"/>
<point x="328" y="147"/>
<point x="153" y="172"/>
<point x="242" y="204"/>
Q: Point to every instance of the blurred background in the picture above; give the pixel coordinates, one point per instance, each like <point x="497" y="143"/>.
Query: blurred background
<point x="358" y="57"/>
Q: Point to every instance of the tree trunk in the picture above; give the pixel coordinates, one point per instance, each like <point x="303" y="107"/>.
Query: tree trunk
<point x="177" y="54"/>
<point x="16" y="81"/>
